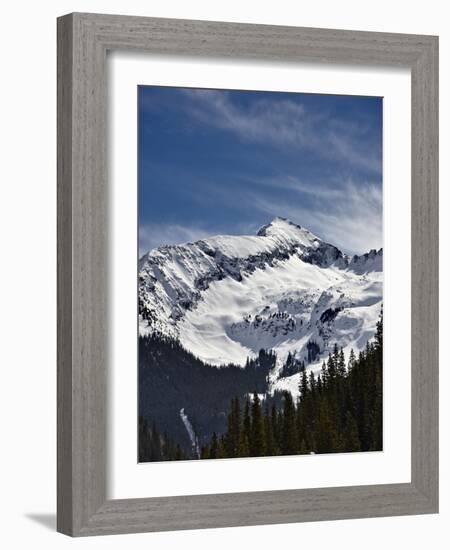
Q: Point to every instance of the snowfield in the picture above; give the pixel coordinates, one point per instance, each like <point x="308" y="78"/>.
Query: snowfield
<point x="227" y="297"/>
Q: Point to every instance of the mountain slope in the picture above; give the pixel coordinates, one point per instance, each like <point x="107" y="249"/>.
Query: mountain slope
<point x="226" y="297"/>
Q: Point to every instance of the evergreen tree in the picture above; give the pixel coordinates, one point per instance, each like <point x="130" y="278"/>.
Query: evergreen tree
<point x="269" y="441"/>
<point x="341" y="363"/>
<point x="326" y="435"/>
<point x="351" y="437"/>
<point x="233" y="437"/>
<point x="303" y="388"/>
<point x="257" y="429"/>
<point x="154" y="446"/>
<point x="351" y="360"/>
<point x="244" y="449"/>
<point x="221" y="448"/>
<point x="319" y="385"/>
<point x="276" y="431"/>
<point x="331" y="368"/>
<point x="335" y="355"/>
<point x="312" y="384"/>
<point x="324" y="374"/>
<point x="214" y="448"/>
<point x="340" y="410"/>
<point x="289" y="442"/>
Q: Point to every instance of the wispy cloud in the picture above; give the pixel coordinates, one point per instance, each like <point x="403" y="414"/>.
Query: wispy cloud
<point x="153" y="235"/>
<point x="344" y="213"/>
<point x="286" y="123"/>
<point x="262" y="121"/>
<point x="346" y="147"/>
<point x="221" y="162"/>
<point x="350" y="218"/>
<point x="296" y="185"/>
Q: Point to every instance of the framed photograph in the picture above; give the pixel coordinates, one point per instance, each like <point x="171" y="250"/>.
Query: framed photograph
<point x="257" y="337"/>
<point x="247" y="274"/>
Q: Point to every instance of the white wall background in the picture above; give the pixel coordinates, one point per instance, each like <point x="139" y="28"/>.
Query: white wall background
<point x="28" y="271"/>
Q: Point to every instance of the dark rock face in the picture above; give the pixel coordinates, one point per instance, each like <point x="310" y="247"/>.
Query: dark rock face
<point x="370" y="261"/>
<point x="325" y="255"/>
<point x="237" y="268"/>
<point x="329" y="315"/>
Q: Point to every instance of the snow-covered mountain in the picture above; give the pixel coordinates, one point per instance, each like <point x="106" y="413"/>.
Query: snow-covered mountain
<point x="226" y="297"/>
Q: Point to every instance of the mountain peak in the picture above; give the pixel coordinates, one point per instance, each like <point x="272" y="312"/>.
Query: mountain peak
<point x="283" y="228"/>
<point x="277" y="224"/>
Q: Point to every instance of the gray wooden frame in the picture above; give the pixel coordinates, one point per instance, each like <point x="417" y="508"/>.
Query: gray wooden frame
<point x="83" y="40"/>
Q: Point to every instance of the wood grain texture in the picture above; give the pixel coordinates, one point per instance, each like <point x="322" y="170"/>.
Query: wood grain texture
<point x="64" y="274"/>
<point x="83" y="40"/>
<point x="256" y="508"/>
<point x="82" y="264"/>
<point x="425" y="273"/>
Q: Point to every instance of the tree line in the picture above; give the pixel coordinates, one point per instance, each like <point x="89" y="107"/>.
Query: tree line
<point x="156" y="446"/>
<point x="340" y="410"/>
<point x="171" y="378"/>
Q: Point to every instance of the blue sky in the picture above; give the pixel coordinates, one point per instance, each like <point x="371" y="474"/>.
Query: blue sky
<point x="227" y="162"/>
